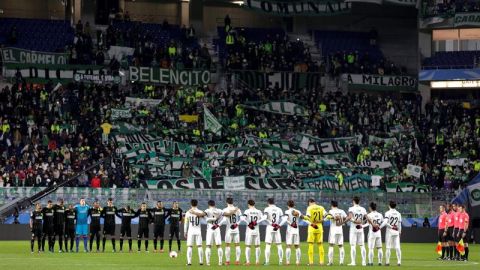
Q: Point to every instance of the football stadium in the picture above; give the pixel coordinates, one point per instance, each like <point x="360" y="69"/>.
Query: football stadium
<point x="198" y="134"/>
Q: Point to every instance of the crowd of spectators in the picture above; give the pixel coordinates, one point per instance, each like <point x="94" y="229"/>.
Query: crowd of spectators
<point x="267" y="53"/>
<point x="448" y="7"/>
<point x="48" y="135"/>
<point x="361" y="63"/>
<point x="274" y="53"/>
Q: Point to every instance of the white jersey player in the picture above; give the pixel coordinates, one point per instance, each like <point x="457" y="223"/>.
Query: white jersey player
<point x="291" y="218"/>
<point x="374" y="238"/>
<point x="335" y="235"/>
<point x="214" y="217"/>
<point x="192" y="231"/>
<point x="393" y="222"/>
<point x="356" y="216"/>
<point x="232" y="217"/>
<point x="273" y="215"/>
<point x="252" y="216"/>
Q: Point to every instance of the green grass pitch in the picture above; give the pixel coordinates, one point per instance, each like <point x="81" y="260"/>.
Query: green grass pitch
<point x="16" y="255"/>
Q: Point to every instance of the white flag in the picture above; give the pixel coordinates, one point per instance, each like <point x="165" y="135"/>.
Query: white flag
<point x="414" y="171"/>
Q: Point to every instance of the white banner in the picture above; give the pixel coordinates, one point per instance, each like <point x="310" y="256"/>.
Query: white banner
<point x="119" y="52"/>
<point x="132" y="102"/>
<point x="234" y="182"/>
<point x="414" y="170"/>
<point x="456" y="161"/>
<point x="474" y="194"/>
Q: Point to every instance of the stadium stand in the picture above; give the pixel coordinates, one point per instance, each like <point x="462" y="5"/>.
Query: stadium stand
<point x="453" y="60"/>
<point x="36" y="34"/>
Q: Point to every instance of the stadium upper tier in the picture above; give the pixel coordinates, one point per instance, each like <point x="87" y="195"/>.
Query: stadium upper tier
<point x="36" y="34"/>
<point x="331" y="42"/>
<point x="452" y="60"/>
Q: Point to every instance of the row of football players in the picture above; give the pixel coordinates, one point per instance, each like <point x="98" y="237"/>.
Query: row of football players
<point x="275" y="218"/>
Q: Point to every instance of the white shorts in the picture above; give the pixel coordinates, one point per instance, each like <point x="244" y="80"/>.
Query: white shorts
<point x="293" y="238"/>
<point x="194" y="239"/>
<point x="392" y="241"/>
<point x="357" y="237"/>
<point x="213" y="237"/>
<point x="375" y="242"/>
<point x="232" y="237"/>
<point x="252" y="238"/>
<point x="335" y="239"/>
<point x="272" y="236"/>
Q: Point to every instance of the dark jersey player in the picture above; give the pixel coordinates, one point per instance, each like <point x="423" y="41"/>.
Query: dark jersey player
<point x="126" y="214"/>
<point x="158" y="214"/>
<point x="95" y="214"/>
<point x="48" y="226"/>
<point x="174" y="215"/>
<point x="144" y="219"/>
<point x="70" y="217"/>
<point x="59" y="222"/>
<point x="36" y="223"/>
<point x="108" y="215"/>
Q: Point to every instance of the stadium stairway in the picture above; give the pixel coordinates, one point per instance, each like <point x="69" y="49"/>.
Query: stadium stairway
<point x="310" y="42"/>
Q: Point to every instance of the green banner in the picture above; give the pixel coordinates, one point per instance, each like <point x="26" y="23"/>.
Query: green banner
<point x="21" y="56"/>
<point x="170" y="76"/>
<point x="282" y="80"/>
<point x="210" y="122"/>
<point x="380" y="82"/>
<point x="56" y="73"/>
<point x="407" y="187"/>
<point x="299" y="7"/>
<point x="467" y="19"/>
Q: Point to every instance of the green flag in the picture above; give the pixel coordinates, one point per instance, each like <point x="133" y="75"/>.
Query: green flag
<point x="210" y="122"/>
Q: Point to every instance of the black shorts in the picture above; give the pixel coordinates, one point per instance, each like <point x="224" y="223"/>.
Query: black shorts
<point x="94" y="229"/>
<point x="143" y="232"/>
<point x="109" y="229"/>
<point x="159" y="231"/>
<point x="59" y="229"/>
<point x="449" y="234"/>
<point x="70" y="232"/>
<point x="37" y="232"/>
<point x="126" y="231"/>
<point x="48" y="230"/>
<point x="441" y="238"/>
<point x="458" y="234"/>
<point x="174" y="231"/>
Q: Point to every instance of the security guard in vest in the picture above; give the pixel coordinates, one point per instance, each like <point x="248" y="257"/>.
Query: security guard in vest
<point x="230" y="41"/>
<point x="5" y="127"/>
<point x="172" y="50"/>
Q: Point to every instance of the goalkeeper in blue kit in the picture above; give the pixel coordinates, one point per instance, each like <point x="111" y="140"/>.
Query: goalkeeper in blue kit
<point x="81" y="230"/>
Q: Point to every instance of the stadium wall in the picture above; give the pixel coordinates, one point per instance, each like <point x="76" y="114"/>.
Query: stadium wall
<point x="32" y="9"/>
<point x="409" y="235"/>
<point x="153" y="11"/>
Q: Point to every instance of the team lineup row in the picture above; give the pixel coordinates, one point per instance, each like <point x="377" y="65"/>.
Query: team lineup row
<point x="72" y="223"/>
